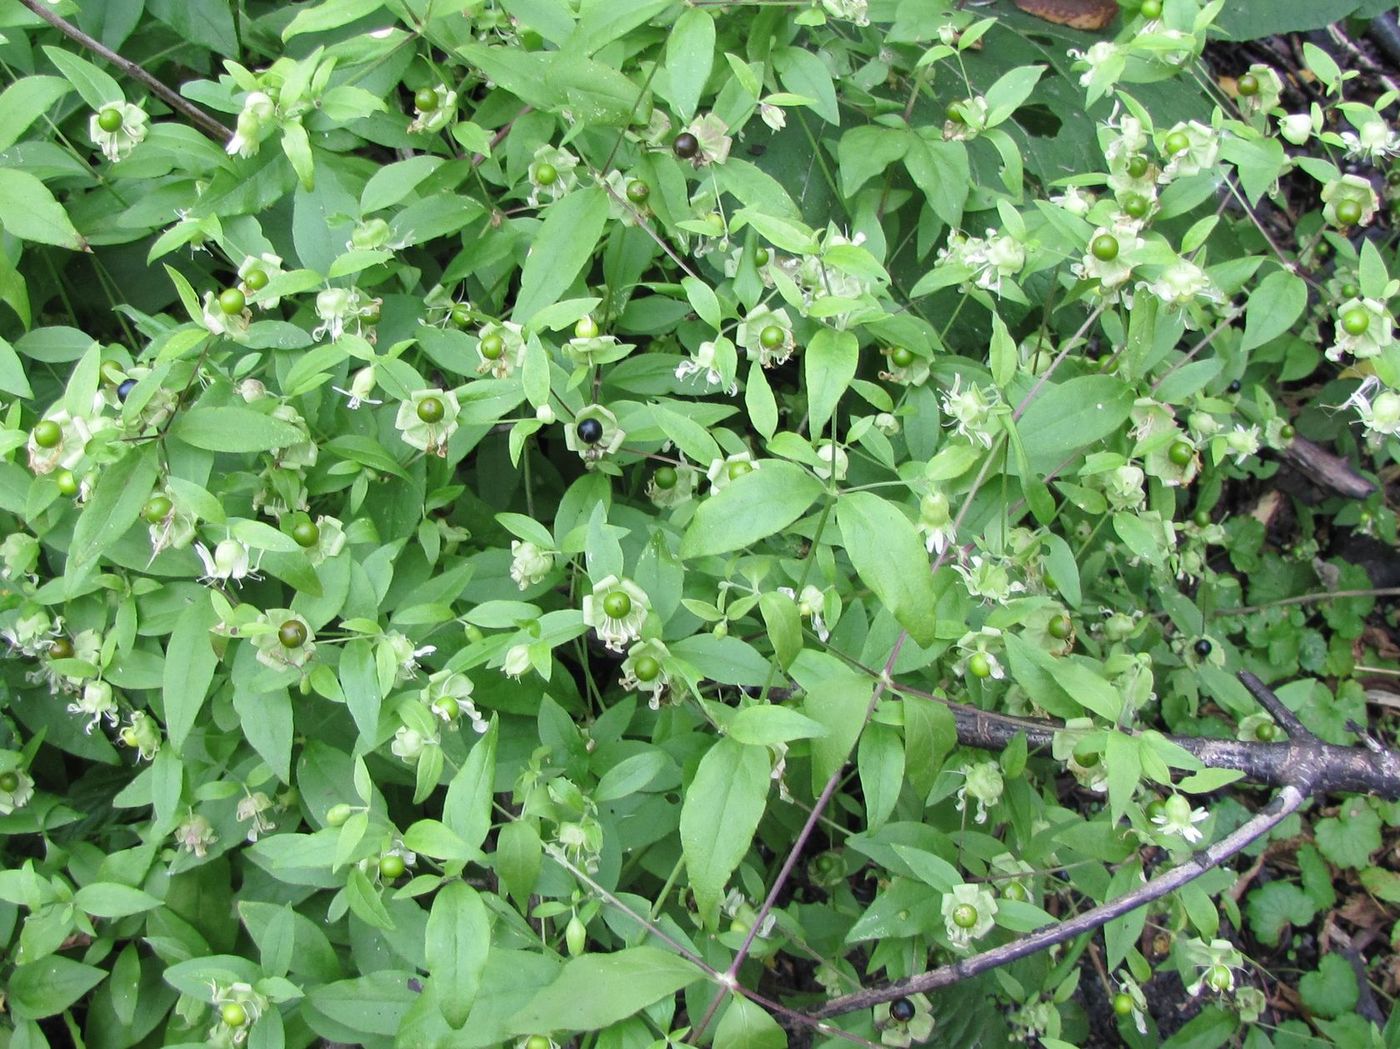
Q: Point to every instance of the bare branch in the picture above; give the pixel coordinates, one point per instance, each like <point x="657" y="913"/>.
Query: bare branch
<point x="1270" y="702"/>
<point x="196" y="116"/>
<point x="1286" y="802"/>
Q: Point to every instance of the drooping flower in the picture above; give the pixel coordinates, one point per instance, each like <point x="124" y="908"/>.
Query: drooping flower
<point x="529" y="565"/>
<point x="972" y="411"/>
<point x="142" y="734"/>
<point x="982" y="781"/>
<point x="95" y="703"/>
<point x="617" y="610"/>
<point x="1178" y="818"/>
<point x="195" y="834"/>
<point x="255" y="123"/>
<point x="409" y="744"/>
<point x="251" y="808"/>
<point x="16" y="790"/>
<point x="229" y="561"/>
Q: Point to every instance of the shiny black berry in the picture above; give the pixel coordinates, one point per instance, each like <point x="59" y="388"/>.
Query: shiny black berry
<point x="1202" y="648"/>
<point x="1234" y="387"/>
<point x="124" y="390"/>
<point x="686" y="145"/>
<point x="590" y="431"/>
<point x="901" y="1010"/>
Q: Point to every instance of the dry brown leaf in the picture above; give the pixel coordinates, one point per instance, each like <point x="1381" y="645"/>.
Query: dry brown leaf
<point x="1091" y="15"/>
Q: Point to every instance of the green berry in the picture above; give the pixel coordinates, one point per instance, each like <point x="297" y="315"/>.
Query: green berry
<point x="638" y="191"/>
<point x="337" y="814"/>
<point x="1350" y="291"/>
<point x="537" y="1041"/>
<point x="446" y="708"/>
<point x="292" y="634"/>
<point x="391" y="866"/>
<point x="1220" y="978"/>
<point x="461" y="316"/>
<point x="1267" y="732"/>
<point x="1151" y="9"/>
<point x="1104" y="247"/>
<point x="546" y="175"/>
<point x="232" y="301"/>
<point x="426" y="99"/>
<point x="1349" y="212"/>
<point x="60" y="648"/>
<point x="67" y="483"/>
<point x="9" y="782"/>
<point x="1287" y="432"/>
<point x="1181" y="453"/>
<point x="965" y="916"/>
<point x="1060" y="627"/>
<point x="761" y="256"/>
<point x="617" y="605"/>
<point x="306" y="534"/>
<point x="110" y="120"/>
<point x="738" y="468"/>
<point x="1014" y="890"/>
<point x="1201" y="518"/>
<point x="1356" y="321"/>
<point x="901" y="356"/>
<point x="1177" y="142"/>
<point x="47" y="434"/>
<point x="233" y="1014"/>
<point x="256" y="279"/>
<point x="1137" y="167"/>
<point x="1086" y="756"/>
<point x="1135" y="205"/>
<point x="586" y="328"/>
<point x="430" y="410"/>
<point x="156" y="510"/>
<point x="1156" y="809"/>
<point x="1122" y="1005"/>
<point x="978" y="665"/>
<point x="1247" y="85"/>
<point x="492" y="347"/>
<point x="665" y="478"/>
<point x="772" y="337"/>
<point x="645" y="668"/>
<point x="954" y="112"/>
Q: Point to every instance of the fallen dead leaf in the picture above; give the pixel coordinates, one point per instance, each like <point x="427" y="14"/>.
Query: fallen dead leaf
<point x="1091" y="15"/>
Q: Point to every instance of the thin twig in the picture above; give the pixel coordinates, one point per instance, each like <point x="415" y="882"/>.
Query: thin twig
<point x="1270" y="702"/>
<point x="1307" y="599"/>
<point x="196" y="116"/>
<point x="1288" y="800"/>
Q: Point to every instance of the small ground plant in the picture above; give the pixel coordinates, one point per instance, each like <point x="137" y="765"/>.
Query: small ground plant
<point x="642" y="524"/>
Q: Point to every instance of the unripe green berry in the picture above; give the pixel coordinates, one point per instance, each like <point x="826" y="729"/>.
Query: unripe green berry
<point x="9" y="782"/>
<point x="1136" y="205"/>
<point x="492" y="347"/>
<point x="110" y="120"/>
<point x="546" y="174"/>
<point x="337" y="814"/>
<point x="256" y="279"/>
<point x="901" y="356"/>
<point x="978" y="665"/>
<point x="232" y="301"/>
<point x="1177" y="142"/>
<point x="1349" y="212"/>
<point x="156" y="510"/>
<point x="617" y="605"/>
<point x="665" y="478"/>
<point x="1247" y="85"/>
<point x="426" y="99"/>
<point x="761" y="256"/>
<point x="645" y="668"/>
<point x="586" y="328"/>
<point x="965" y="916"/>
<point x="772" y="337"/>
<point x="461" y="316"/>
<point x="1122" y="1005"/>
<point x="292" y="634"/>
<point x="306" y="534"/>
<point x="1181" y="453"/>
<point x="638" y="191"/>
<point x="1356" y="321"/>
<point x="1060" y="627"/>
<point x="1105" y="247"/>
<point x="738" y="468"/>
<point x="60" y="648"/>
<point x="430" y="409"/>
<point x="47" y="433"/>
<point x="1151" y="9"/>
<point x="67" y="483"/>
<point x="391" y="866"/>
<point x="233" y="1014"/>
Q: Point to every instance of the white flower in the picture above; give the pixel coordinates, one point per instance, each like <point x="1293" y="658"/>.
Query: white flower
<point x="254" y="124"/>
<point x="448" y="696"/>
<point x="95" y="704"/>
<point x="617" y="609"/>
<point x="772" y="115"/>
<point x="517" y="661"/>
<point x="435" y="119"/>
<point x="361" y="386"/>
<point x="712" y="133"/>
<point x="529" y="564"/>
<point x="16" y="788"/>
<point x="988" y="580"/>
<point x="1297" y="128"/>
<point x="1217" y="961"/>
<point x="341" y="310"/>
<point x="141" y="734"/>
<point x="116" y="145"/>
<point x="250" y="809"/>
<point x="1074" y="200"/>
<point x="1200" y="154"/>
<point x="1123" y="487"/>
<point x="1179" y="818"/>
<point x="409" y="744"/>
<point x="1181" y="284"/>
<point x="704" y="361"/>
<point x="780" y="341"/>
<point x="266" y="265"/>
<point x="982" y="782"/>
<point x="404" y="655"/>
<point x="971" y="411"/>
<point x="730" y="468"/>
<point x="834" y="461"/>
<point x="1380" y="414"/>
<point x="968" y="913"/>
<point x="428" y="419"/>
<point x="229" y="561"/>
<point x="1372" y="141"/>
<point x="195" y="834"/>
<point x="856" y="11"/>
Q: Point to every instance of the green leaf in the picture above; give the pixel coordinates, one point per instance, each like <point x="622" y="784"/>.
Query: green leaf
<point x="561" y="249"/>
<point x="867" y="151"/>
<point x="751" y="507"/>
<point x="598" y="990"/>
<point x="517" y="859"/>
<point x="783" y="623"/>
<point x="234" y="429"/>
<point x="880" y="762"/>
<point x="110" y="900"/>
<point x="1124" y="765"/>
<point x="122" y="489"/>
<point x="47" y="987"/>
<point x="97" y="87"/>
<point x="364" y="901"/>
<point x="456" y="944"/>
<point x="760" y="402"/>
<point x="690" y="53"/>
<point x="360" y="683"/>
<point x="630" y="775"/>
<point x="839" y="704"/>
<point x="467" y="807"/>
<point x="1274" y="305"/>
<point x="266" y="721"/>
<point x="29" y="211"/>
<point x="764" y="724"/>
<point x="12" y="378"/>
<point x="747" y="1025"/>
<point x="941" y="170"/>
<point x="330" y="15"/>
<point x="890" y="559"/>
<point x="829" y="364"/>
<point x="189" y="669"/>
<point x="1349" y="839"/>
<point x="804" y="73"/>
<point x="24" y="102"/>
<point x="1273" y="907"/>
<point x="1331" y="991"/>
<point x="1068" y="416"/>
<point x="1011" y="89"/>
<point x="1004" y="357"/>
<point x="719" y="815"/>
